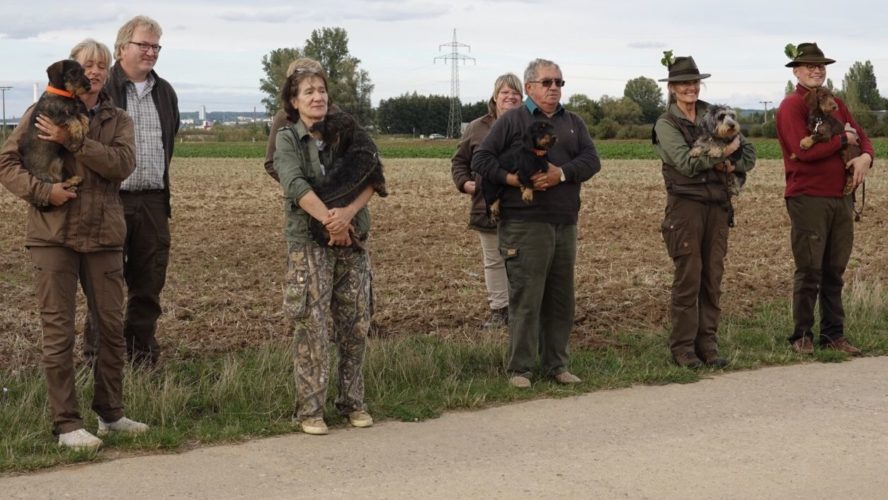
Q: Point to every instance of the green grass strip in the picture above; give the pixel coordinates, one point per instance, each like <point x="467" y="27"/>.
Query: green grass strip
<point x="766" y="149"/>
<point x="248" y="394"/>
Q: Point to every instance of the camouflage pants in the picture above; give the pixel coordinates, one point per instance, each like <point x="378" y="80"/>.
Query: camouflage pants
<point x="328" y="285"/>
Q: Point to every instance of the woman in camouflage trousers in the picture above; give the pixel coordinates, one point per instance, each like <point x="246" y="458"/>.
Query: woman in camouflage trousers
<point x="325" y="283"/>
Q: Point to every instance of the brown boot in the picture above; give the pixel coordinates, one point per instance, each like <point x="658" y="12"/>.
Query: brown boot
<point x="841" y="344"/>
<point x="687" y="360"/>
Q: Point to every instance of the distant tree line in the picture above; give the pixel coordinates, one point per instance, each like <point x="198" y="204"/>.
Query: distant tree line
<point x="629" y="116"/>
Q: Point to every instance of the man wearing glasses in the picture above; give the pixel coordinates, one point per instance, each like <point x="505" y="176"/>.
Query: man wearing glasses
<point x="820" y="213"/>
<point x="154" y="108"/>
<point x="538" y="240"/>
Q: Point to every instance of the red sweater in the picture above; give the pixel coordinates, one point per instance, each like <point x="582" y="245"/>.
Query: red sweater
<point x="818" y="171"/>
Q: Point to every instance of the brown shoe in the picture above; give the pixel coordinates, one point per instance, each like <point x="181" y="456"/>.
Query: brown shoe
<point x="567" y="378"/>
<point x="713" y="360"/>
<point x="841" y="344"/>
<point x="803" y="345"/>
<point x="687" y="360"/>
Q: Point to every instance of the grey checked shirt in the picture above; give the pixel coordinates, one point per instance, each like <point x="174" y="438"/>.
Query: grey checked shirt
<point x="150" y="161"/>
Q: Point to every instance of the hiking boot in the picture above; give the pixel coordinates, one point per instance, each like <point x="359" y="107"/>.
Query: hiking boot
<point x="314" y="426"/>
<point x="123" y="425"/>
<point x="804" y="345"/>
<point x="81" y="439"/>
<point x="360" y="418"/>
<point x="499" y="318"/>
<point x="521" y="381"/>
<point x="841" y="344"/>
<point x="567" y="378"/>
<point x="687" y="360"/>
<point x="713" y="360"/>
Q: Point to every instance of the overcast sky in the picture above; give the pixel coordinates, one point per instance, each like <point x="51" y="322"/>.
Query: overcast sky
<point x="212" y="50"/>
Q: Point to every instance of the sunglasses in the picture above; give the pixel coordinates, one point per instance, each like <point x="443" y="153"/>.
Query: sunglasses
<point x="549" y="81"/>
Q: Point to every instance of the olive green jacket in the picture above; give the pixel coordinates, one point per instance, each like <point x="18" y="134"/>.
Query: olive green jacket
<point x="689" y="176"/>
<point x="297" y="162"/>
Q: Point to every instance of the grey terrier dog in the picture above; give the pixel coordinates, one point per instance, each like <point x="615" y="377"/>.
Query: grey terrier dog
<point x="719" y="127"/>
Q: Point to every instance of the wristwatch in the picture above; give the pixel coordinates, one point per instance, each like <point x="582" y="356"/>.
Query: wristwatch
<point x="563" y="178"/>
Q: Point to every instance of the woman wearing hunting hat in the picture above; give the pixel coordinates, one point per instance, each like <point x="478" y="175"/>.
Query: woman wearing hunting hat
<point x="820" y="212"/>
<point x="698" y="208"/>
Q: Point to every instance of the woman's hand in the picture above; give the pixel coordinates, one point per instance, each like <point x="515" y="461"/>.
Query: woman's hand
<point x="341" y="238"/>
<point x="859" y="167"/>
<point x="338" y="219"/>
<point x="51" y="131"/>
<point x="732" y="147"/>
<point x="59" y="195"/>
<point x="725" y="166"/>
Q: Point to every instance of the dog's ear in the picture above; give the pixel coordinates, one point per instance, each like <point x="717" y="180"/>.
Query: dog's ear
<point x="56" y="74"/>
<point x="812" y="99"/>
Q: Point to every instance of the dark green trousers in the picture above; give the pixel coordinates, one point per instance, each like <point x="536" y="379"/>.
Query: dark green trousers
<point x="540" y="260"/>
<point x="696" y="237"/>
<point x="822" y="237"/>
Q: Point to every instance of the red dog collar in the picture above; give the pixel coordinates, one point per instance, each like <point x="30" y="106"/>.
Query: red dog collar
<point x="539" y="152"/>
<point x="63" y="93"/>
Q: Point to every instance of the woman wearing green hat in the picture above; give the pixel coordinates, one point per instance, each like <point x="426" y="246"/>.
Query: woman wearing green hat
<point x="697" y="215"/>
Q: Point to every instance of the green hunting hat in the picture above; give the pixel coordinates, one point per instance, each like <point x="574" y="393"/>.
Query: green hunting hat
<point x="806" y="53"/>
<point x="684" y="69"/>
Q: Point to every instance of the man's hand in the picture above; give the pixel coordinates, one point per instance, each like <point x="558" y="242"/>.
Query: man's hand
<point x="469" y="187"/>
<point x="851" y="134"/>
<point x="859" y="167"/>
<point x="545" y="180"/>
<point x="59" y="195"/>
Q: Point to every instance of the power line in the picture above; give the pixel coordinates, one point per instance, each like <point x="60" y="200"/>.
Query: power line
<point x="3" y="92"/>
<point x="765" y="119"/>
<point x="454" y="121"/>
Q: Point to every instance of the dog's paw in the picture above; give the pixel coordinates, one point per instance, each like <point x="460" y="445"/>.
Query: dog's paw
<point x="806" y="142"/>
<point x="696" y="151"/>
<point x="72" y="183"/>
<point x="495" y="210"/>
<point x="527" y="194"/>
<point x="716" y="152"/>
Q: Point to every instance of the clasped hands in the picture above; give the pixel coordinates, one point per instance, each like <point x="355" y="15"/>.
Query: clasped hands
<point x="338" y="224"/>
<point x="541" y="180"/>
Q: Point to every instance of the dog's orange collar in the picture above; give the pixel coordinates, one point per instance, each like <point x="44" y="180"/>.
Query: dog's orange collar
<point x="539" y="152"/>
<point x="63" y="93"/>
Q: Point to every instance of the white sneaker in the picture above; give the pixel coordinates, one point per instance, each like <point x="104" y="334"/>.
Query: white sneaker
<point x="81" y="439"/>
<point x="123" y="424"/>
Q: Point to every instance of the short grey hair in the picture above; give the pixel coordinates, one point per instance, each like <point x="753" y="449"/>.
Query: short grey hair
<point x="125" y="33"/>
<point x="530" y="74"/>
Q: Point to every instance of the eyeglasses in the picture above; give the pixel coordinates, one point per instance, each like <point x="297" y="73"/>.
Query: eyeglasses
<point x="815" y="67"/>
<point x="547" y="82"/>
<point x="145" y="46"/>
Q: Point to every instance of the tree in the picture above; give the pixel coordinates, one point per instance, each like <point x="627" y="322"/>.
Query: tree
<point x="586" y="108"/>
<point x="274" y="64"/>
<point x="350" y="86"/>
<point x="414" y="114"/>
<point x="623" y="110"/>
<point x="647" y="94"/>
<point x="474" y="110"/>
<point x="790" y="87"/>
<point x="862" y="79"/>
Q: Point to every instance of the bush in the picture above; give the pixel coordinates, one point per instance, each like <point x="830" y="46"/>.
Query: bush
<point x="769" y="129"/>
<point x="606" y="129"/>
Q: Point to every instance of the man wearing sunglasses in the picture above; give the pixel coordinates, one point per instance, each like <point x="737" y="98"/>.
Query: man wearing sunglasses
<point x="822" y="234"/>
<point x="538" y="240"/>
<point x="154" y="107"/>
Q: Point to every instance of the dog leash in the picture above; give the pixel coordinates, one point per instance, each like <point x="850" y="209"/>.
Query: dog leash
<point x="858" y="213"/>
